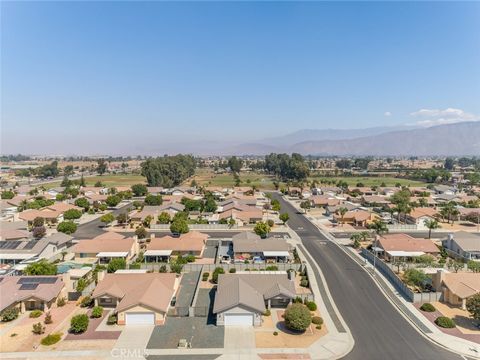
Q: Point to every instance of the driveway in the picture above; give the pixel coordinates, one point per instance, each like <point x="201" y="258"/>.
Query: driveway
<point x="134" y="337"/>
<point x="239" y="337"/>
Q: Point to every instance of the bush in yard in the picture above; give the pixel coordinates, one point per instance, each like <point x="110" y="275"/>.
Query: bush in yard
<point x="217" y="272"/>
<point x="275" y="333"/>
<point x="415" y="277"/>
<point x="116" y="264"/>
<point x="317" y="320"/>
<point x="232" y="271"/>
<point x="61" y="301"/>
<point x="163" y="269"/>
<point x="318" y="327"/>
<point x="270" y="223"/>
<point x="297" y="317"/>
<point x="427" y="307"/>
<point x="304" y="283"/>
<point x="72" y="214"/>
<point x="271" y="268"/>
<point x="67" y="227"/>
<point x="48" y="318"/>
<point x="97" y="312"/>
<point x="87" y="301"/>
<point x="473" y="306"/>
<point x="267" y="312"/>
<point x="311" y="306"/>
<point x="205" y="276"/>
<point x="79" y="323"/>
<point x="9" y="314"/>
<point x="297" y="300"/>
<point x="445" y="322"/>
<point x="112" y="319"/>
<point x="190" y="258"/>
<point x="38" y="328"/>
<point x="141" y="232"/>
<point x="176" y="268"/>
<point x="51" y="339"/>
<point x="36" y="313"/>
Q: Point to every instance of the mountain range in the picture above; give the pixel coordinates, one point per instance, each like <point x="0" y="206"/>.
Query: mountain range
<point x="442" y="140"/>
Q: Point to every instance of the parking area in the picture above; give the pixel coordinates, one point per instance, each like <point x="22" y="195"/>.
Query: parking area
<point x="201" y="332"/>
<point x="210" y="251"/>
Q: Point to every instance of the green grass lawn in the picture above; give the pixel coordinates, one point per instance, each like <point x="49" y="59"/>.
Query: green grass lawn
<point x="207" y="177"/>
<point x="370" y="181"/>
<point x="109" y="180"/>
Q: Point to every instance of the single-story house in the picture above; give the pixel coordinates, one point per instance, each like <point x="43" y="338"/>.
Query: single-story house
<point x="29" y="292"/>
<point x="404" y="246"/>
<point x="138" y="298"/>
<point x="105" y="247"/>
<point x="456" y="287"/>
<point x="419" y="215"/>
<point x="53" y="192"/>
<point x="463" y="245"/>
<point x="250" y="246"/>
<point x="242" y="298"/>
<point x="324" y="200"/>
<point x="161" y="249"/>
<point x="63" y="206"/>
<point x="51" y="216"/>
<point x="356" y="217"/>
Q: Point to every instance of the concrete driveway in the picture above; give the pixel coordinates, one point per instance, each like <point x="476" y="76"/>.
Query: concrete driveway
<point x="239" y="337"/>
<point x="134" y="338"/>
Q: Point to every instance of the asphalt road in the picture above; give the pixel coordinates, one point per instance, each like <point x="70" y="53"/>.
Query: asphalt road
<point x="380" y="332"/>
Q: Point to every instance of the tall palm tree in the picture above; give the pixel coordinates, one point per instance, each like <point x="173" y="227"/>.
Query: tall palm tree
<point x="431" y="224"/>
<point x="342" y="211"/>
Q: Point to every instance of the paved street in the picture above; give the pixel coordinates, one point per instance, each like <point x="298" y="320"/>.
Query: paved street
<point x="380" y="332"/>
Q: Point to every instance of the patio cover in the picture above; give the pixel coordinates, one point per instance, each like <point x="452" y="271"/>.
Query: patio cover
<point x="405" y="253"/>
<point x="112" y="254"/>
<point x="276" y="253"/>
<point x="157" y="253"/>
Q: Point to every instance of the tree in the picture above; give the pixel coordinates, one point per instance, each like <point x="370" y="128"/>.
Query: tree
<point x="67" y="227"/>
<point x="431" y="224"/>
<point x="401" y="200"/>
<point x="449" y="164"/>
<point x="79" y="324"/>
<point x="415" y="277"/>
<point x="275" y="205"/>
<point x="379" y="227"/>
<point x="113" y="200"/>
<point x="39" y="232"/>
<point x="261" y="229"/>
<point x="101" y="166"/>
<point x="139" y="189"/>
<point x="305" y="205"/>
<point x="38" y="221"/>
<point x="116" y="264"/>
<point x="473" y="306"/>
<point x="474" y="266"/>
<point x="83" y="203"/>
<point x="235" y="164"/>
<point x="164" y="218"/>
<point x="7" y="194"/>
<point x="141" y="232"/>
<point x="107" y="218"/>
<point x="168" y="171"/>
<point x="284" y="217"/>
<point x="68" y="170"/>
<point x="153" y="200"/>
<point x="82" y="181"/>
<point x="42" y="267"/>
<point x="122" y="218"/>
<point x="297" y="317"/>
<point x="124" y="167"/>
<point x="179" y="226"/>
<point x="72" y="214"/>
<point x="342" y="211"/>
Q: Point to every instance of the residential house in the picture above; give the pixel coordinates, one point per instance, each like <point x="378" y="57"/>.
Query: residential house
<point x="248" y="246"/>
<point x="28" y="293"/>
<point x="53" y="192"/>
<point x="138" y="298"/>
<point x="456" y="287"/>
<point x="356" y="217"/>
<point x="242" y="298"/>
<point x="419" y="215"/>
<point x="463" y="245"/>
<point x="105" y="247"/>
<point x="51" y="217"/>
<point x="403" y="246"/>
<point x="162" y="248"/>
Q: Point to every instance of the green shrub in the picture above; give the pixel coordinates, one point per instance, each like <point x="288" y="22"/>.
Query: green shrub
<point x="112" y="319"/>
<point x="297" y="317"/>
<point x="51" y="339"/>
<point x="48" y="318"/>
<point x="217" y="272"/>
<point x="87" y="301"/>
<point x="36" y="313"/>
<point x="317" y="320"/>
<point x="445" y="322"/>
<point x="61" y="302"/>
<point x="311" y="306"/>
<point x="267" y="312"/>
<point x="232" y="271"/>
<point x="190" y="258"/>
<point x="272" y="268"/>
<point x="427" y="307"/>
<point x="134" y="266"/>
<point x="163" y="269"/>
<point x="297" y="300"/>
<point x="205" y="276"/>
<point x="318" y="327"/>
<point x="97" y="312"/>
<point x="38" y="328"/>
<point x="275" y="333"/>
<point x="9" y="314"/>
<point x="304" y="283"/>
<point x="79" y="323"/>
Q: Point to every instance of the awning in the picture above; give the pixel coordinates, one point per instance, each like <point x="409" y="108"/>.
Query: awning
<point x="276" y="253"/>
<point x="157" y="253"/>
<point x="405" y="253"/>
<point x="16" y="256"/>
<point x="377" y="249"/>
<point x="112" y="254"/>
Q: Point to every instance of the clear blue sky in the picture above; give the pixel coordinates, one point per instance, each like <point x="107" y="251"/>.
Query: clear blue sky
<point x="78" y="75"/>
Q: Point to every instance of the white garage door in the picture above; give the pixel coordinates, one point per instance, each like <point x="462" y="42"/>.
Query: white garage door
<point x="239" y="319"/>
<point x="140" y="318"/>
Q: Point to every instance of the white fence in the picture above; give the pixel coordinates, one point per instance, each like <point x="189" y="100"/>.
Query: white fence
<point x="196" y="227"/>
<point x="211" y="267"/>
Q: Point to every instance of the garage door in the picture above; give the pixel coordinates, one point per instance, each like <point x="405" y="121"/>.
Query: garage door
<point x="238" y="319"/>
<point x="140" y="318"/>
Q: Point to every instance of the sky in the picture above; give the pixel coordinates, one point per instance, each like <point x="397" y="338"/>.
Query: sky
<point x="140" y="77"/>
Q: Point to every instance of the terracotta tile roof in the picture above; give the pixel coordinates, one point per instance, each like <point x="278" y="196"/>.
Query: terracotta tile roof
<point x="30" y="215"/>
<point x="422" y="211"/>
<point x="463" y="285"/>
<point x="152" y="290"/>
<point x="96" y="245"/>
<point x="192" y="241"/>
<point x="404" y="242"/>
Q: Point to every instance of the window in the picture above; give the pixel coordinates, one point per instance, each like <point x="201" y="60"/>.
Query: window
<point x="107" y="300"/>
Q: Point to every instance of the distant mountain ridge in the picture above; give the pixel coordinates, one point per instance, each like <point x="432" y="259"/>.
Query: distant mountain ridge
<point x="442" y="140"/>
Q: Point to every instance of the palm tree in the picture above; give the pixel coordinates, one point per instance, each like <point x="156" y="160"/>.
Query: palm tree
<point x="431" y="224"/>
<point x="342" y="211"/>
